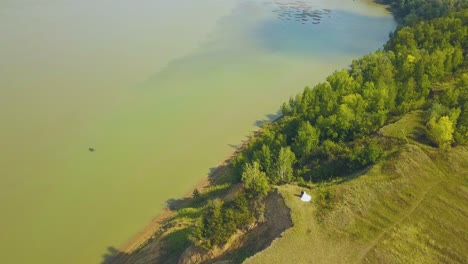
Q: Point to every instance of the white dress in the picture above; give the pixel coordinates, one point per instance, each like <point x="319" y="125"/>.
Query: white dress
<point x="305" y="197"/>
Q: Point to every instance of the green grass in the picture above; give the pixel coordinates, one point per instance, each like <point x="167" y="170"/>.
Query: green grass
<point x="410" y="208"/>
<point x="174" y="244"/>
<point x="409" y="127"/>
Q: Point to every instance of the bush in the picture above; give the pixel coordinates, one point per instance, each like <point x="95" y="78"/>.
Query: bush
<point x="441" y="131"/>
<point x="323" y="200"/>
<point x="220" y="220"/>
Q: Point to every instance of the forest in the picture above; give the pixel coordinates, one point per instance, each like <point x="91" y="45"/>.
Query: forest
<point x="332" y="129"/>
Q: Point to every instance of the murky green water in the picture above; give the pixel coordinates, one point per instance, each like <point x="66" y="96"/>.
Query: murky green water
<point x="160" y="89"/>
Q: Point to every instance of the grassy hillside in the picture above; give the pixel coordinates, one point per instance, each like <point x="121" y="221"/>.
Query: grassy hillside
<point x="409" y="208"/>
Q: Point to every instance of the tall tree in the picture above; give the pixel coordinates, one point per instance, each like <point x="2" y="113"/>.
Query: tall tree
<point x="263" y="157"/>
<point x="306" y="140"/>
<point x="284" y="166"/>
<point x="255" y="181"/>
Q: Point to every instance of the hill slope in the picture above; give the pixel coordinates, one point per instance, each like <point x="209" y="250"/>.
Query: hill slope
<point x="410" y="208"/>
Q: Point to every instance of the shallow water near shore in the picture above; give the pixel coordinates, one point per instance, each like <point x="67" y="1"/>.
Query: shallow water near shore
<point x="161" y="90"/>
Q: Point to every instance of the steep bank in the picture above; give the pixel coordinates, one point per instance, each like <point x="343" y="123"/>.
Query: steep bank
<point x="170" y="245"/>
<point x="242" y="245"/>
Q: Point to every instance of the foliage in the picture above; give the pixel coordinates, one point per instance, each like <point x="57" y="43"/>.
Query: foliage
<point x="441" y="131"/>
<point x="196" y="194"/>
<point x="283" y="172"/>
<point x="412" y="11"/>
<point x="323" y="198"/>
<point x="306" y="140"/>
<point x="255" y="181"/>
<point x="174" y="244"/>
<point x="220" y="220"/>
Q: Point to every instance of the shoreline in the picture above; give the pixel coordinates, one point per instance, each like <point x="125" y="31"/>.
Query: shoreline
<point x="148" y="232"/>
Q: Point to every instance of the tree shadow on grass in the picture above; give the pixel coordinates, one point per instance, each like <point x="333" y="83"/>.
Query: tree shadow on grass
<point x="420" y="135"/>
<point x="174" y="244"/>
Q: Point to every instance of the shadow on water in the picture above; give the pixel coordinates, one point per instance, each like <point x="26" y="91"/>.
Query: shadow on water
<point x="174" y="204"/>
<point x="233" y="146"/>
<point x="268" y="119"/>
<point x="112" y="255"/>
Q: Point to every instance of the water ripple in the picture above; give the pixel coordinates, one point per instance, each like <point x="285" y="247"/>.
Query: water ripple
<point x="303" y="12"/>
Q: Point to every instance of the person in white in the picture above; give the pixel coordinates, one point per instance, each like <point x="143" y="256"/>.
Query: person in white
<point x="305" y="197"/>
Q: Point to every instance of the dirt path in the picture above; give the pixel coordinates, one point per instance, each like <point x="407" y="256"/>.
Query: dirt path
<point x="403" y="218"/>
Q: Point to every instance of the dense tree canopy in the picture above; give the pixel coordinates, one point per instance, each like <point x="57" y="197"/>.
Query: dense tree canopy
<point x="412" y="11"/>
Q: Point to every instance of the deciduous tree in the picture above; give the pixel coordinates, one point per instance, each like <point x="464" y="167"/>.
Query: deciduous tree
<point x="255" y="180"/>
<point x="441" y="131"/>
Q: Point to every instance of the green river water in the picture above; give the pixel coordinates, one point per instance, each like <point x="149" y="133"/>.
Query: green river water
<point x="162" y="90"/>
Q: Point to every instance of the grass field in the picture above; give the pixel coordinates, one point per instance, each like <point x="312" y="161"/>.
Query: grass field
<point x="410" y="208"/>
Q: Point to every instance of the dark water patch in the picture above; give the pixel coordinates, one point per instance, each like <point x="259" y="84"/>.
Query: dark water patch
<point x="269" y="118"/>
<point x="111" y="255"/>
<point x="309" y="33"/>
<point x="301" y="10"/>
